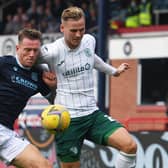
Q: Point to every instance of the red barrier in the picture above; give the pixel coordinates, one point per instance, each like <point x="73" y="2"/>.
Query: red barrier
<point x="146" y="124"/>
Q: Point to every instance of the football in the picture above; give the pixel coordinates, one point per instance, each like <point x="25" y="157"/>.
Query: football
<point x="55" y="118"/>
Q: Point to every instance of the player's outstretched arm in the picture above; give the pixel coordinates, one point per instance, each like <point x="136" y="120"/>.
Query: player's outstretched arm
<point x="102" y="66"/>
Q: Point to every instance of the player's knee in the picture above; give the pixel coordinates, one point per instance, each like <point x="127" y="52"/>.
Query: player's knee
<point x="130" y="147"/>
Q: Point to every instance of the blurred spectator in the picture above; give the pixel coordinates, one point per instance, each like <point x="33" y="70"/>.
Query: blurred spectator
<point x="145" y="15"/>
<point x="40" y="13"/>
<point x="28" y="24"/>
<point x="9" y="25"/>
<point x="57" y="8"/>
<point x="17" y="24"/>
<point x="33" y="24"/>
<point x="117" y="14"/>
<point x="48" y="23"/>
<point x="85" y="7"/>
<point x="33" y="5"/>
<point x="21" y="14"/>
<point x="32" y="13"/>
<point x="132" y="16"/>
<point x="45" y="15"/>
<point x="43" y="27"/>
<point x="48" y="16"/>
<point x="92" y="25"/>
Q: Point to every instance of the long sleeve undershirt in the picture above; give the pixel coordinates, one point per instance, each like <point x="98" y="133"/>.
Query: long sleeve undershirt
<point x="104" y="67"/>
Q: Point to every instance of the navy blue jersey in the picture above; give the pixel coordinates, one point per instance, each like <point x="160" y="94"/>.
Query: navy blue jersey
<point x="17" y="85"/>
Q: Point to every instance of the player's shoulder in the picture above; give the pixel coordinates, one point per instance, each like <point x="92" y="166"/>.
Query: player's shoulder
<point x="51" y="47"/>
<point x="8" y="59"/>
<point x="88" y="37"/>
<point x="54" y="43"/>
<point x="88" y="41"/>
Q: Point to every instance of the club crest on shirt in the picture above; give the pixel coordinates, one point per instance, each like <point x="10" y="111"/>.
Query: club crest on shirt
<point x="88" y="52"/>
<point x="15" y="68"/>
<point x="34" y="76"/>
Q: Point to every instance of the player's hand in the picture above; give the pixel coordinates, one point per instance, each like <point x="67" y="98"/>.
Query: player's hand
<point x="122" y="68"/>
<point x="50" y="79"/>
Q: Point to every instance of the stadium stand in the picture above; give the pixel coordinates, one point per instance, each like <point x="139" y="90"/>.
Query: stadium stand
<point x="119" y="12"/>
<point x="42" y="14"/>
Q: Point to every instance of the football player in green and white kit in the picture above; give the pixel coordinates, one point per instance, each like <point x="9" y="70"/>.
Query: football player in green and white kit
<point x="73" y="59"/>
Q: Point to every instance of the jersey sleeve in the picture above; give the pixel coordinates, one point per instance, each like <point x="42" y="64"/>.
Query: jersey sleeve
<point x="48" y="55"/>
<point x="100" y="65"/>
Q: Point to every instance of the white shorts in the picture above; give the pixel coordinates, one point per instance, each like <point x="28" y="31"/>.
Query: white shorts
<point x="11" y="144"/>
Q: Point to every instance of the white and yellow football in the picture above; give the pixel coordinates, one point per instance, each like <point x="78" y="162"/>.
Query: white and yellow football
<point x="55" y="118"/>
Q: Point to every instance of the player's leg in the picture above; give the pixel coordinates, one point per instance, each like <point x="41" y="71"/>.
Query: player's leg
<point x="107" y="131"/>
<point x="123" y="141"/>
<point x="19" y="152"/>
<point x="31" y="157"/>
<point x="69" y="143"/>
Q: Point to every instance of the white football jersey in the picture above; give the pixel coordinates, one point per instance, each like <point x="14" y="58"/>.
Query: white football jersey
<point x="74" y="71"/>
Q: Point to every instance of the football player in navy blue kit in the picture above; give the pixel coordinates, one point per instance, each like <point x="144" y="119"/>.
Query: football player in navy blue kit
<point x="19" y="80"/>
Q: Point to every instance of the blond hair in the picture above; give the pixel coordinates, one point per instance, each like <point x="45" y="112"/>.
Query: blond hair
<point x="73" y="12"/>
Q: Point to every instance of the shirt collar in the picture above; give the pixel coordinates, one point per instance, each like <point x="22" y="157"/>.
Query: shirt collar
<point x="70" y="49"/>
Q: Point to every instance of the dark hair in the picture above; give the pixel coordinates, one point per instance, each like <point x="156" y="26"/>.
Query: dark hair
<point x="32" y="34"/>
<point x="73" y="12"/>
